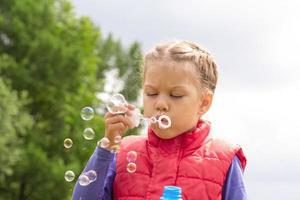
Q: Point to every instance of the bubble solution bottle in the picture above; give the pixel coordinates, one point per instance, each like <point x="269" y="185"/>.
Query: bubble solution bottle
<point x="171" y="193"/>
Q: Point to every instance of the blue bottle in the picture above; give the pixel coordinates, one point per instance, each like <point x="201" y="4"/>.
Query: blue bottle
<point x="171" y="193"/>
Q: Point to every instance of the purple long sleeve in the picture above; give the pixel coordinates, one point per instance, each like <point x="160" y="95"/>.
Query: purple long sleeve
<point x="102" y="161"/>
<point x="234" y="188"/>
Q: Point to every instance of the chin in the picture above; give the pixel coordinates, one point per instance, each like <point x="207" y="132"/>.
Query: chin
<point x="164" y="137"/>
<point x="164" y="134"/>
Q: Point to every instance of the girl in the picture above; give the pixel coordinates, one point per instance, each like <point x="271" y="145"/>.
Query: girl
<point x="179" y="80"/>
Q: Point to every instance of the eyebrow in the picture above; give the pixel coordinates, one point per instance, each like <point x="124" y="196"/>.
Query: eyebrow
<point x="175" y="87"/>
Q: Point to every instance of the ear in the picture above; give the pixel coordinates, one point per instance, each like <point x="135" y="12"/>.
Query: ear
<point x="205" y="103"/>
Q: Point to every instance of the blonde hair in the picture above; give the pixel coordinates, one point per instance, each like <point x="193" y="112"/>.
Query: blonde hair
<point x="186" y="51"/>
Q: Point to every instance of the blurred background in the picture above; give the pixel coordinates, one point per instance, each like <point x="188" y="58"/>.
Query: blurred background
<point x="58" y="56"/>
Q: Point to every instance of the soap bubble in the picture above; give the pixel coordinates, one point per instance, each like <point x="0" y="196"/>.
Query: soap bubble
<point x="68" y="143"/>
<point x="69" y="176"/>
<point x="104" y="142"/>
<point x="87" y="178"/>
<point x="83" y="180"/>
<point x="131" y="156"/>
<point x="164" y="121"/>
<point x="118" y="99"/>
<point x="116" y="109"/>
<point x="92" y="175"/>
<point x="88" y="134"/>
<point x="87" y="113"/>
<point x="117" y="104"/>
<point x="131" y="167"/>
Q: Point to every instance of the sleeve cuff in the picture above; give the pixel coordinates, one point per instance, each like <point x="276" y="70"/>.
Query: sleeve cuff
<point x="104" y="153"/>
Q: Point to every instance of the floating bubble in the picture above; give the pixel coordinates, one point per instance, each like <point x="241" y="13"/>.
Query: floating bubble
<point x="116" y="109"/>
<point x="83" y="180"/>
<point x="131" y="156"/>
<point x="87" y="113"/>
<point x="117" y="139"/>
<point x="131" y="167"/>
<point x="117" y="104"/>
<point x="88" y="134"/>
<point x="104" y="142"/>
<point x="69" y="176"/>
<point x="92" y="175"/>
<point x="68" y="143"/>
<point x="119" y="99"/>
<point x="87" y="178"/>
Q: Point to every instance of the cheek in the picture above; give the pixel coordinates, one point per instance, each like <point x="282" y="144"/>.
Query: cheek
<point x="147" y="108"/>
<point x="187" y="112"/>
<point x="184" y="108"/>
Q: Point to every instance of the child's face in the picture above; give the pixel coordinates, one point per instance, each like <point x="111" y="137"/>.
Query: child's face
<point x="172" y="90"/>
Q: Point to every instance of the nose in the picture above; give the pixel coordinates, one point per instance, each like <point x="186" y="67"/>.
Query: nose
<point x="161" y="104"/>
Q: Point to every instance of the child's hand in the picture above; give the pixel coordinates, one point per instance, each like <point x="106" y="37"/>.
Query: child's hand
<point x="117" y="124"/>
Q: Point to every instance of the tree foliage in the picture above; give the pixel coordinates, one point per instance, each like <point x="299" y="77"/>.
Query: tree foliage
<point x="51" y="65"/>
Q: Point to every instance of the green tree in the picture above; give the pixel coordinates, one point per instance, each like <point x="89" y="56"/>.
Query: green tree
<point x="53" y="63"/>
<point x="14" y="123"/>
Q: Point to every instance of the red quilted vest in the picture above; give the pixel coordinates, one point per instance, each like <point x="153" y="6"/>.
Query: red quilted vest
<point x="193" y="161"/>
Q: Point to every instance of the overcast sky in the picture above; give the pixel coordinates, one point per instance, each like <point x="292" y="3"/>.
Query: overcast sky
<point x="256" y="45"/>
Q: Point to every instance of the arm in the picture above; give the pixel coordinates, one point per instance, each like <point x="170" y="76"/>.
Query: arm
<point x="102" y="161"/>
<point x="108" y="189"/>
<point x="234" y="188"/>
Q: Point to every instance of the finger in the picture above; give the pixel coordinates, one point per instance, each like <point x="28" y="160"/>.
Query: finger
<point x="117" y="119"/>
<point x="129" y="122"/>
<point x="130" y="110"/>
<point x="108" y="115"/>
<point x="131" y="106"/>
<point x="116" y="129"/>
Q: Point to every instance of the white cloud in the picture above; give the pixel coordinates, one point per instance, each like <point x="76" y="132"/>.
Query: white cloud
<point x="256" y="45"/>
<point x="265" y="123"/>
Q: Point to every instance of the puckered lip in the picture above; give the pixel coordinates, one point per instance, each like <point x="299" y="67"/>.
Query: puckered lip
<point x="157" y="116"/>
<point x="160" y="114"/>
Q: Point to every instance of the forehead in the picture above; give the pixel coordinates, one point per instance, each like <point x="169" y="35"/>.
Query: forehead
<point x="170" y="74"/>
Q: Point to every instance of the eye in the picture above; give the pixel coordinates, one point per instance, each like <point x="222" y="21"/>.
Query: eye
<point x="176" y="96"/>
<point x="151" y="94"/>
